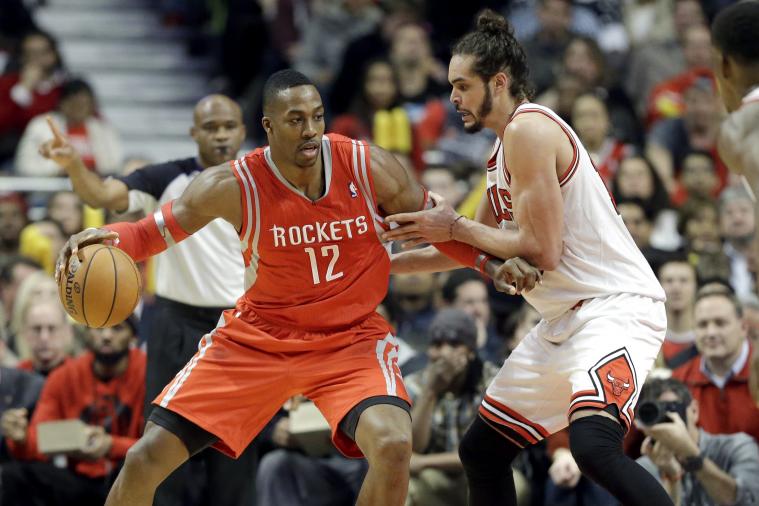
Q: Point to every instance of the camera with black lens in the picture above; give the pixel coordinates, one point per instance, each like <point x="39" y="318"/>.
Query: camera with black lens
<point x="654" y="412"/>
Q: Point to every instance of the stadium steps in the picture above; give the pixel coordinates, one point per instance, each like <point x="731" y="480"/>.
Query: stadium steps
<point x="145" y="82"/>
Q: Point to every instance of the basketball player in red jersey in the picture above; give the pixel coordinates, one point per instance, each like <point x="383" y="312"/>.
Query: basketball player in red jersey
<point x="308" y="213"/>
<point x="735" y="37"/>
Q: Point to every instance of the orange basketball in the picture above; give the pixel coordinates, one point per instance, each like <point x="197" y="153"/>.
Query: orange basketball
<point x="105" y="288"/>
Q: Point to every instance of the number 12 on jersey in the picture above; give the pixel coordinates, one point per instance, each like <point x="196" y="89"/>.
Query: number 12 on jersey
<point x="333" y="252"/>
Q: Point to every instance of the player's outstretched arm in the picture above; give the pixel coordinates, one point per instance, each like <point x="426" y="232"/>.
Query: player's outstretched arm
<point x="398" y="192"/>
<point x="96" y="192"/>
<point x="531" y="143"/>
<point x="214" y="193"/>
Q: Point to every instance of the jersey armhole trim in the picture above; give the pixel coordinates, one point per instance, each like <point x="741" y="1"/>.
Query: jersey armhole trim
<point x="244" y="197"/>
<point x="570" y="171"/>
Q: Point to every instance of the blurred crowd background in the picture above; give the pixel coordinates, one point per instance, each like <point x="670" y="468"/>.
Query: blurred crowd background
<point x="121" y="78"/>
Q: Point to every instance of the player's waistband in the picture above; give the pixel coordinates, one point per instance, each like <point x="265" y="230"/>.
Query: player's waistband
<point x="196" y="312"/>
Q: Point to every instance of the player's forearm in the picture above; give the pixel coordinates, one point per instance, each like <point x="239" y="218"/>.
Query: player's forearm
<point x="427" y="259"/>
<point x="149" y="236"/>
<point x="721" y="487"/>
<point x="505" y="244"/>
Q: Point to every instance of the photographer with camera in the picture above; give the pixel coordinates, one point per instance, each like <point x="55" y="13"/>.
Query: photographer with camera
<point x="695" y="467"/>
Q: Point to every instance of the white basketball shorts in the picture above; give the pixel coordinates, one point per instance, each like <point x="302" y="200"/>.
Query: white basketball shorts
<point x="590" y="357"/>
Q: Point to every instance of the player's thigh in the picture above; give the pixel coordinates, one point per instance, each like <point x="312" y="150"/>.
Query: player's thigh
<point x="526" y="401"/>
<point x="228" y="388"/>
<point x="613" y="354"/>
<point x="347" y="380"/>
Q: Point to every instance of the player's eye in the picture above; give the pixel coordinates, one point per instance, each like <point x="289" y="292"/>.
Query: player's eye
<point x="319" y="117"/>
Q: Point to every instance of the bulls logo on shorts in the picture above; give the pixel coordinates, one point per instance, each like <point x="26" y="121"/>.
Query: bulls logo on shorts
<point x="613" y="378"/>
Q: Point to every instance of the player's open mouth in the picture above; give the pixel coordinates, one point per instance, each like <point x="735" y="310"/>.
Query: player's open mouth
<point x="222" y="150"/>
<point x="310" y="150"/>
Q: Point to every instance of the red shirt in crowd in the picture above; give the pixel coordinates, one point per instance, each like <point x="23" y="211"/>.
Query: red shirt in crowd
<point x="13" y="116"/>
<point x="725" y="410"/>
<point x="73" y="391"/>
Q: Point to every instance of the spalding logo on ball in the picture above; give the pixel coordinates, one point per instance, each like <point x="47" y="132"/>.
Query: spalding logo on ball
<point x="104" y="289"/>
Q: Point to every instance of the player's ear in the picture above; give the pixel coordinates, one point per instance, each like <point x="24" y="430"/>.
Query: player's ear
<point x="194" y="132"/>
<point x="266" y="123"/>
<point x="501" y="82"/>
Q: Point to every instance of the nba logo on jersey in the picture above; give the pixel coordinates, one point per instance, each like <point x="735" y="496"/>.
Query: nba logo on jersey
<point x="353" y="190"/>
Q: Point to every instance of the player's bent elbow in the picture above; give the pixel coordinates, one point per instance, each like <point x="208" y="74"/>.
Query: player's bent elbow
<point x="545" y="259"/>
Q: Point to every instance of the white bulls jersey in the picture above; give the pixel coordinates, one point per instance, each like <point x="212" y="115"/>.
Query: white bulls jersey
<point x="599" y="257"/>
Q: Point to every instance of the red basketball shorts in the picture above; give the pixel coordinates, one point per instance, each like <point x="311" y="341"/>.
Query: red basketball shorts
<point x="246" y="369"/>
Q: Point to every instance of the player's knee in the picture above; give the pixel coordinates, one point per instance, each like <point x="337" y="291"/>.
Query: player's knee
<point x="391" y="448"/>
<point x="593" y="440"/>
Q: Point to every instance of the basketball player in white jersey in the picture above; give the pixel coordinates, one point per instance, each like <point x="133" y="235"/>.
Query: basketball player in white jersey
<point x="603" y="318"/>
<point x="735" y="37"/>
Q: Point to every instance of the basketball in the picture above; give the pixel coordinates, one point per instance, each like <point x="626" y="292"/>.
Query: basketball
<point x="104" y="289"/>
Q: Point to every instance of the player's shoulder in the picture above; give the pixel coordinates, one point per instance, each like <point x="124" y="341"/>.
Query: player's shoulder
<point x="532" y="126"/>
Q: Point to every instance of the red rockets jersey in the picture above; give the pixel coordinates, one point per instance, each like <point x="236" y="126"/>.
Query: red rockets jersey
<point x="315" y="265"/>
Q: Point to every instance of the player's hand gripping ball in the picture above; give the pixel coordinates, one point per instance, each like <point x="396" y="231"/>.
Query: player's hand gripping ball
<point x="99" y="285"/>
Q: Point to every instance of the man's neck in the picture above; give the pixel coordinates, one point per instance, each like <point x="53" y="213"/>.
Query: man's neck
<point x="680" y="320"/>
<point x="502" y="113"/>
<point x="722" y="366"/>
<point x="108" y="372"/>
<point x="309" y="180"/>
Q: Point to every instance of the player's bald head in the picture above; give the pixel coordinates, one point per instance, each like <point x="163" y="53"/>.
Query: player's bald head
<point x="735" y="32"/>
<point x="279" y="82"/>
<point x="213" y="105"/>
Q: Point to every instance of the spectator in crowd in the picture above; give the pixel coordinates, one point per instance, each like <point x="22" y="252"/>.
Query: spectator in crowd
<point x="737" y="228"/>
<point x="466" y="290"/>
<point x="46" y="332"/>
<point x="447" y="394"/>
<point x="698" y="179"/>
<point x="750" y="305"/>
<point x="286" y="475"/>
<point x="375" y="114"/>
<point x="12" y="274"/>
<point x="41" y="241"/>
<point x="97" y="142"/>
<point x="718" y="379"/>
<point x="695" y="465"/>
<point x="327" y="35"/>
<point x="66" y="208"/>
<point x="516" y="327"/>
<point x="410" y="303"/>
<point x="656" y="60"/>
<point x="672" y="139"/>
<point x="31" y="89"/>
<point x="19" y="391"/>
<point x="583" y="70"/>
<point x="422" y="81"/>
<point x="666" y="99"/>
<point x="442" y="181"/>
<point x="698" y="224"/>
<point x="639" y="220"/>
<point x="678" y="278"/>
<point x="636" y="178"/>
<point x="590" y="119"/>
<point x="12" y="220"/>
<point x="546" y="47"/>
<point x="374" y="45"/>
<point x="105" y="389"/>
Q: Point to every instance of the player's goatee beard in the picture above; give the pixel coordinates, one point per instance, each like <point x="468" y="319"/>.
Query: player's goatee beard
<point x="485" y="108"/>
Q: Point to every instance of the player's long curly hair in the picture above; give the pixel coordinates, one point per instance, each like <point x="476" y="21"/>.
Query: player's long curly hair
<point x="495" y="49"/>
